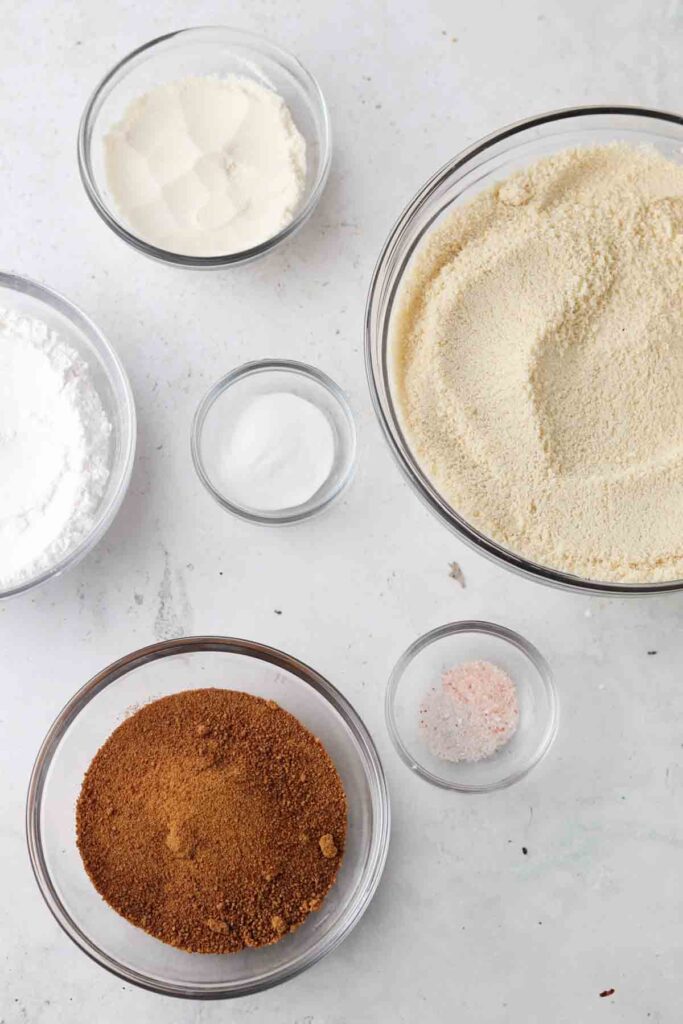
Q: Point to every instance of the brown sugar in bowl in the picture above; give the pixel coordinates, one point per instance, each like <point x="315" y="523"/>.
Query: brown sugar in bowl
<point x="212" y="819"/>
<point x="85" y="724"/>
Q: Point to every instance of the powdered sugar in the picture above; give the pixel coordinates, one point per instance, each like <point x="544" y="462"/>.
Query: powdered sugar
<point x="472" y="714"/>
<point x="54" y="448"/>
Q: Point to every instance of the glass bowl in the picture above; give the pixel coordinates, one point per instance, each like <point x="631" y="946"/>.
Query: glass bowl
<point x="478" y="167"/>
<point x="421" y="667"/>
<point x="204" y="51"/>
<point x="88" y="720"/>
<point x="224" y="403"/>
<point x="29" y="298"/>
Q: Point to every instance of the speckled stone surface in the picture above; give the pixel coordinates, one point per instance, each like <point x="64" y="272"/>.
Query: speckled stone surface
<point x="465" y="926"/>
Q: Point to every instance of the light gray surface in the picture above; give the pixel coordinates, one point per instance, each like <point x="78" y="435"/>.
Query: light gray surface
<point x="464" y="927"/>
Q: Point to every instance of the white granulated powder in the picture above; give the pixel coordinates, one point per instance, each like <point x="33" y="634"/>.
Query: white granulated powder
<point x="280" y="452"/>
<point x="539" y="362"/>
<point x="54" y="448"/>
<point x="207" y="166"/>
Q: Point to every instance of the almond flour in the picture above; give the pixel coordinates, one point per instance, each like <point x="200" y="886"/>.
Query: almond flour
<point x="539" y="362"/>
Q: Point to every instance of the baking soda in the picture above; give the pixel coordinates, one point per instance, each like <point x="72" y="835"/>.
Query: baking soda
<point x="281" y="451"/>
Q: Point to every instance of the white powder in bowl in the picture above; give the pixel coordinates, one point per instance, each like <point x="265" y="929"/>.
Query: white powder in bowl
<point x="207" y="166"/>
<point x="54" y="449"/>
<point x="281" y="451"/>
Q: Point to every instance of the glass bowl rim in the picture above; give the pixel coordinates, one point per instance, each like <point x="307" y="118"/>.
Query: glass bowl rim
<point x="377" y="377"/>
<point x="324" y="137"/>
<point x="117" y="374"/>
<point x="248" y="369"/>
<point x="372" y="770"/>
<point x="481" y="627"/>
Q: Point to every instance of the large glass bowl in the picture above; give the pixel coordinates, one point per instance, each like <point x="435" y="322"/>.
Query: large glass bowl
<point x="210" y="50"/>
<point x="28" y="298"/>
<point x="478" y="167"/>
<point x="89" y="719"/>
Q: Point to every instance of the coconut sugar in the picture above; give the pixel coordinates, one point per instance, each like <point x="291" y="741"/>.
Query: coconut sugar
<point x="212" y="819"/>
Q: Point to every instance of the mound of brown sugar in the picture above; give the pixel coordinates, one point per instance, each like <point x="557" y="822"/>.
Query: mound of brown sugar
<point x="212" y="819"/>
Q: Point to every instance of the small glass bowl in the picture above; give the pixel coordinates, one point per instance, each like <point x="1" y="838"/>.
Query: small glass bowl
<point x="211" y="50"/>
<point x="421" y="667"/>
<point x="28" y="298"/>
<point x="89" y="719"/>
<point x="224" y="403"/>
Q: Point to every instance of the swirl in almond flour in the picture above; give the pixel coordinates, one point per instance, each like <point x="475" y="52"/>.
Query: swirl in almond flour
<point x="538" y="363"/>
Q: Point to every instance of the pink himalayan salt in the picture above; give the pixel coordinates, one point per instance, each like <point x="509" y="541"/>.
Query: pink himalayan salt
<point x="472" y="714"/>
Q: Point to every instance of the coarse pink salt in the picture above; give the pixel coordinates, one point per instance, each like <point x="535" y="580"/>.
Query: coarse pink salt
<point x="472" y="714"/>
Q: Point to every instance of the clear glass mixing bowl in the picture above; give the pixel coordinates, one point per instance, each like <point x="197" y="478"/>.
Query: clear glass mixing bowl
<point x="209" y="50"/>
<point x="31" y="299"/>
<point x="478" y="167"/>
<point x="89" y="719"/>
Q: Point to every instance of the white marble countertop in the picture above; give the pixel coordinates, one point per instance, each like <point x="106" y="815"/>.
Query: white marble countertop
<point x="464" y="927"/>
